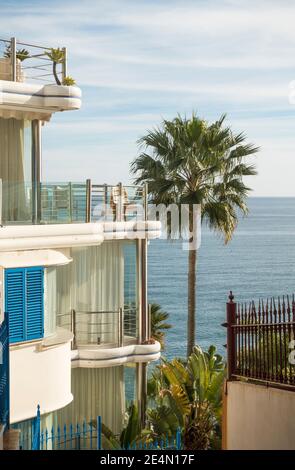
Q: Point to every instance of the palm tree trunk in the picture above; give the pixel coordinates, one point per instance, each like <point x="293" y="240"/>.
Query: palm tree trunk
<point x="191" y="314"/>
<point x="58" y="82"/>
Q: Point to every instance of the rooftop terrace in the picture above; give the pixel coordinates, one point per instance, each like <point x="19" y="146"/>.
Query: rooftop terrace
<point x="24" y="62"/>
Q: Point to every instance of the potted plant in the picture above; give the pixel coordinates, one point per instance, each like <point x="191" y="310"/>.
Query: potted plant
<point x="6" y="65"/>
<point x="57" y="56"/>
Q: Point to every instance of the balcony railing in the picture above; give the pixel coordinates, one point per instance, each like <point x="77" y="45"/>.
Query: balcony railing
<point x="105" y="327"/>
<point x="22" y="62"/>
<point x="67" y="202"/>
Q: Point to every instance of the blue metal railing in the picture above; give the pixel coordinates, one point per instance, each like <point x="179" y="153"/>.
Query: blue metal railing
<point x="167" y="443"/>
<point x="85" y="436"/>
<point x="36" y="431"/>
<point x="4" y="372"/>
<point x="81" y="436"/>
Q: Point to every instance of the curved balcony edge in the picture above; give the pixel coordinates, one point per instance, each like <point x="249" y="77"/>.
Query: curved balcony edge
<point x="107" y="357"/>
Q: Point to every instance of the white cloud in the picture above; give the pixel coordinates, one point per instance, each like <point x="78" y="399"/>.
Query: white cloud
<point x="138" y="61"/>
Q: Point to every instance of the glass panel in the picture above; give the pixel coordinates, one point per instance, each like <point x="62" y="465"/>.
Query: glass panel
<point x="63" y="202"/>
<point x="108" y="204"/>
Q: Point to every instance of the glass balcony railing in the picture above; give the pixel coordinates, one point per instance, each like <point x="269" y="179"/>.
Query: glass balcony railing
<point x="63" y="202"/>
<point x="68" y="202"/>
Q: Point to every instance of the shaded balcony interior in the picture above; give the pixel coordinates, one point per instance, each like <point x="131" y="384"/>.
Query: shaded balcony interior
<point x="96" y="295"/>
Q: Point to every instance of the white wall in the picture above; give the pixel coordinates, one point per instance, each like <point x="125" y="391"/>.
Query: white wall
<point x="39" y="377"/>
<point x="259" y="417"/>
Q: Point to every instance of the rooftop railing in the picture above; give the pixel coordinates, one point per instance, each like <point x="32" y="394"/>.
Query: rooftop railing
<point x="20" y="62"/>
<point x="68" y="202"/>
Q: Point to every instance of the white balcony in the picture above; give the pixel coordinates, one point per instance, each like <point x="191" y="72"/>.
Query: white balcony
<point x="40" y="373"/>
<point x="92" y="356"/>
<point x="32" y="84"/>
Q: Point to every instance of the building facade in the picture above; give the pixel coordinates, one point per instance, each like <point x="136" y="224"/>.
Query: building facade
<point x="73" y="267"/>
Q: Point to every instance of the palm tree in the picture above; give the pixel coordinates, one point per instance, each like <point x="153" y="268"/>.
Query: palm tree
<point x="189" y="161"/>
<point x="158" y="323"/>
<point x="188" y="395"/>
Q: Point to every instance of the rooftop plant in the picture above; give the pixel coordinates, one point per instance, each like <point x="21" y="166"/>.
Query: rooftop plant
<point x="21" y="54"/>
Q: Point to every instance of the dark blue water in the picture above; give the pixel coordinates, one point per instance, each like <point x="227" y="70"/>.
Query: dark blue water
<point x="258" y="262"/>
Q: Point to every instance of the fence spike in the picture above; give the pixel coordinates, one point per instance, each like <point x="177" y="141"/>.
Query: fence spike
<point x="65" y="436"/>
<point x="46" y="437"/>
<point x="98" y="427"/>
<point x="288" y="308"/>
<point x="42" y="440"/>
<point x="90" y="435"/>
<point x="71" y="436"/>
<point x="52" y="437"/>
<point x="58" y="437"/>
<point x="274" y="306"/>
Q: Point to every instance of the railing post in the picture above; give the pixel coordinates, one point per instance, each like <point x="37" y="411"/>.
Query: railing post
<point x="13" y="58"/>
<point x="98" y="438"/>
<point x="121" y="328"/>
<point x="64" y="64"/>
<point x="73" y="328"/>
<point x="71" y="205"/>
<point x="36" y="431"/>
<point x="1" y="202"/>
<point x="88" y="200"/>
<point x="105" y="199"/>
<point x="36" y="172"/>
<point x="231" y="314"/>
<point x="145" y="202"/>
<point x="149" y="322"/>
<point x="120" y="206"/>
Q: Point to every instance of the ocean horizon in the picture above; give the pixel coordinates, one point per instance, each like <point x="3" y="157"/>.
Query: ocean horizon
<point x="259" y="262"/>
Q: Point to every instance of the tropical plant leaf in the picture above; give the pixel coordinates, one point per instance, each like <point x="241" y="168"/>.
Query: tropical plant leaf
<point x="132" y="430"/>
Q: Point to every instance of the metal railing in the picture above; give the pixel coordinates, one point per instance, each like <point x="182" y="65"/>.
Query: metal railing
<point x="260" y="339"/>
<point x="63" y="202"/>
<point x="20" y="61"/>
<point x="117" y="203"/>
<point x="81" y="435"/>
<point x="113" y="327"/>
<point x="70" y="202"/>
<point x="85" y="435"/>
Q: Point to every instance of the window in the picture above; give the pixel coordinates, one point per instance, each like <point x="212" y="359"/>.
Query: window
<point x="24" y="303"/>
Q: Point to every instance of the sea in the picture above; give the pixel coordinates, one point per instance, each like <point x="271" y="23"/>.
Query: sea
<point x="258" y="262"/>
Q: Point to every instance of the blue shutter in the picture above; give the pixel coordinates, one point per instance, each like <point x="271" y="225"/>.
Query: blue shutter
<point x="34" y="302"/>
<point x="15" y="303"/>
<point x="24" y="303"/>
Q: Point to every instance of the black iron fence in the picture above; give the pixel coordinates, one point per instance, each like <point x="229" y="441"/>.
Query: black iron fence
<point x="261" y="341"/>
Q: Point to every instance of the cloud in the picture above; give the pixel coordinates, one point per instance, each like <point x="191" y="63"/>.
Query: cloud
<point x="139" y="61"/>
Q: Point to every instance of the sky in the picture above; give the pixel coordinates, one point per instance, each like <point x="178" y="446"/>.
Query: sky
<point x="140" y="61"/>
